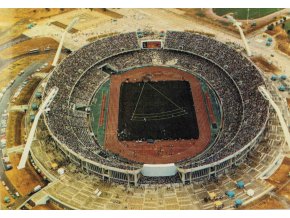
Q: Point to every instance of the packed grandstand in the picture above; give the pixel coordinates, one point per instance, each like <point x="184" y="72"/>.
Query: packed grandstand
<point x="232" y="76"/>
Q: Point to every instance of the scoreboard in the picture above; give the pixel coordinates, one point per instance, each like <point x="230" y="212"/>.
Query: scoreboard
<point x="152" y="44"/>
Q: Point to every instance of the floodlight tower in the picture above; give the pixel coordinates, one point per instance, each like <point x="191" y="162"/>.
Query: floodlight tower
<point x="268" y="97"/>
<point x="69" y="27"/>
<point x="42" y="108"/>
<point x="238" y="25"/>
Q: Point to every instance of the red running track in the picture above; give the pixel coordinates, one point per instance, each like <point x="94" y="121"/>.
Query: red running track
<point x="103" y="108"/>
<point x="162" y="151"/>
<point x="210" y="108"/>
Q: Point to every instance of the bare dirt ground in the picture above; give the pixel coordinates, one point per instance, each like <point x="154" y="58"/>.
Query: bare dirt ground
<point x="24" y="47"/>
<point x="27" y="91"/>
<point x="264" y="65"/>
<point x="13" y="131"/>
<point x="48" y="206"/>
<point x="282" y="39"/>
<point x="24" y="180"/>
<point x="3" y="193"/>
<point x="283" y="43"/>
<point x="63" y="26"/>
<point x="265" y="203"/>
<point x="288" y="102"/>
<point x="15" y="128"/>
<point x="88" y="18"/>
<point x="280" y="177"/>
<point x="275" y="31"/>
<point x="108" y="12"/>
<point x="280" y="180"/>
<point x="13" y="22"/>
<point x="11" y="71"/>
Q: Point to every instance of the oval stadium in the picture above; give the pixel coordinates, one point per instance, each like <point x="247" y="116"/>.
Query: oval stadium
<point x="183" y="103"/>
<point x="144" y="109"/>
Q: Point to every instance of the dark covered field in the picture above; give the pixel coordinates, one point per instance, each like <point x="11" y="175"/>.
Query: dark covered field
<point x="162" y="110"/>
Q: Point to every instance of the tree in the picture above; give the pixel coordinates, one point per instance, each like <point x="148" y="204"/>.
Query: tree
<point x="270" y="27"/>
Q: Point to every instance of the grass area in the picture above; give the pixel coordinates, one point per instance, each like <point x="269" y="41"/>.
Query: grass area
<point x="98" y="130"/>
<point x="241" y="13"/>
<point x="287" y="26"/>
<point x="215" y="107"/>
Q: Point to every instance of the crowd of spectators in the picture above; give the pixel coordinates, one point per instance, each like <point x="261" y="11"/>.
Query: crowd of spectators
<point x="247" y="78"/>
<point x="77" y="77"/>
<point x="229" y="73"/>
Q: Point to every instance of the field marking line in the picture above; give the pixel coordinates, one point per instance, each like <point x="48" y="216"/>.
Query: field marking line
<point x="175" y="110"/>
<point x="165" y="97"/>
<point x="161" y="114"/>
<point x="100" y="112"/>
<point x="138" y="101"/>
<point x="161" y="117"/>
